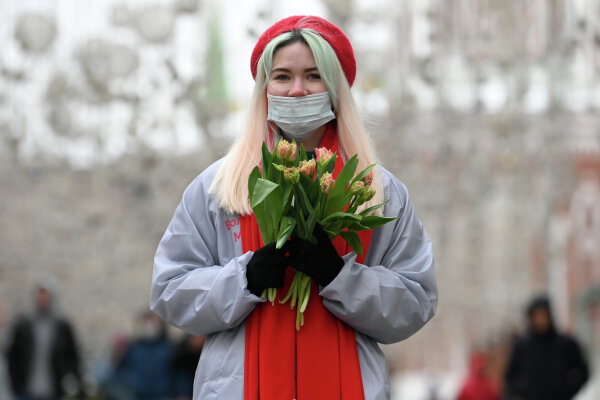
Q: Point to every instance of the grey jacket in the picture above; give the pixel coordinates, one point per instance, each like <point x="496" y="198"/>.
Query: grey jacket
<point x="199" y="285"/>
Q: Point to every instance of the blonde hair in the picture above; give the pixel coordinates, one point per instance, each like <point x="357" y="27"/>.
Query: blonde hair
<point x="231" y="182"/>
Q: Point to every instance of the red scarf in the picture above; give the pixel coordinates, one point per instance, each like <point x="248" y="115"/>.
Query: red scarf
<point x="318" y="362"/>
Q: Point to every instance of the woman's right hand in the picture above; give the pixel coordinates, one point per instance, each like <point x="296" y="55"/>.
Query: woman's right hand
<point x="320" y="261"/>
<point x="266" y="269"/>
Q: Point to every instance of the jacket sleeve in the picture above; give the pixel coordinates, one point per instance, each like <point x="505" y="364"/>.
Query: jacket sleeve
<point x="514" y="383"/>
<point x="70" y="362"/>
<point x="190" y="288"/>
<point x="395" y="294"/>
<point x="577" y="368"/>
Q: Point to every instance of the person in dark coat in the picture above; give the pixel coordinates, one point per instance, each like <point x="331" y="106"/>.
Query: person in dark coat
<point x="5" y="391"/>
<point x="544" y="364"/>
<point x="185" y="362"/>
<point x="146" y="368"/>
<point x="42" y="355"/>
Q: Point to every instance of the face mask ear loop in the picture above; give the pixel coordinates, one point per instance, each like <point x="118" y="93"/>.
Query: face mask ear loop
<point x="274" y="131"/>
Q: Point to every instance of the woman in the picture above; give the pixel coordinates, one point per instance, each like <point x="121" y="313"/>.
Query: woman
<point x="210" y="266"/>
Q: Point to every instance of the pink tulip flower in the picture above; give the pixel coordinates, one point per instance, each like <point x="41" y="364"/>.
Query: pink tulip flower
<point x="308" y="167"/>
<point x="327" y="183"/>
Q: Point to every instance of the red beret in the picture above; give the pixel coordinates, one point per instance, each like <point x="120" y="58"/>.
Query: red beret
<point x="331" y="33"/>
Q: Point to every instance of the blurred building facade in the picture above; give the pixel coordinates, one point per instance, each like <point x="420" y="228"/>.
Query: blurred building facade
<point x="488" y="111"/>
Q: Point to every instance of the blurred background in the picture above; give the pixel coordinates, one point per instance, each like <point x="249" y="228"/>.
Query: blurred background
<point x="486" y="110"/>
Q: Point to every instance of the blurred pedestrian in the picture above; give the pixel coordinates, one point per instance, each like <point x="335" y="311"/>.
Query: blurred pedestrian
<point x="109" y="385"/>
<point x="211" y="267"/>
<point x="185" y="362"/>
<point x="544" y="364"/>
<point x="146" y="368"/>
<point x="477" y="385"/>
<point x="5" y="391"/>
<point x="43" y="358"/>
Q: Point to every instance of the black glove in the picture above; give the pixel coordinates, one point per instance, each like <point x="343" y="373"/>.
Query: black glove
<point x="320" y="261"/>
<point x="266" y="269"/>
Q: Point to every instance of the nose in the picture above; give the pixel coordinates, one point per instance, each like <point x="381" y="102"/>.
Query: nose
<point x="298" y="88"/>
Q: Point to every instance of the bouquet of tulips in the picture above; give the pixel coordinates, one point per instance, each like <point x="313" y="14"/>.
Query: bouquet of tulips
<point x="292" y="194"/>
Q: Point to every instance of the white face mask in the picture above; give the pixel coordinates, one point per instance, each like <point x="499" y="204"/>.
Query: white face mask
<point x="299" y="117"/>
<point x="149" y="330"/>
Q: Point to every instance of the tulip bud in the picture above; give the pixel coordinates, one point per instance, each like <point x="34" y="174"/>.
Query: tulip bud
<point x="291" y="156"/>
<point x="286" y="150"/>
<point x="308" y="167"/>
<point x="283" y="146"/>
<point x="368" y="179"/>
<point x="291" y="175"/>
<point x="327" y="183"/>
<point x="365" y="195"/>
<point x="323" y="155"/>
<point x="357" y="188"/>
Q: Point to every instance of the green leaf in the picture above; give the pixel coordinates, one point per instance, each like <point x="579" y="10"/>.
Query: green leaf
<point x="362" y="173"/>
<point x="301" y="154"/>
<point x="373" y="221"/>
<point x="373" y="208"/>
<point x="262" y="189"/>
<point x="305" y="185"/>
<point x="252" y="178"/>
<point x="339" y="201"/>
<point x="356" y="226"/>
<point x="264" y="224"/>
<point x="274" y="207"/>
<point x="338" y="226"/>
<point x="310" y="224"/>
<point x="267" y="202"/>
<point x="278" y="167"/>
<point x="304" y="201"/>
<point x="330" y="166"/>
<point x="311" y="188"/>
<point x="285" y="230"/>
<point x="346" y="174"/>
<point x="287" y="197"/>
<point x="340" y="215"/>
<point x="353" y="241"/>
<point x="293" y="213"/>
<point x="267" y="160"/>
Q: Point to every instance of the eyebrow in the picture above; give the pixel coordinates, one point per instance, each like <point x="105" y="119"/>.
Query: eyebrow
<point x="280" y="69"/>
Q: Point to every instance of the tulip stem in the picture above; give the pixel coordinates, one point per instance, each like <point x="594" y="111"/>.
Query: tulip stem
<point x="305" y="293"/>
<point x="292" y="293"/>
<point x="271" y="294"/>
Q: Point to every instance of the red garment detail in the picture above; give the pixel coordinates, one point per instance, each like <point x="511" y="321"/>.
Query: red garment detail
<point x="331" y="33"/>
<point x="318" y="362"/>
<point x="477" y="386"/>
